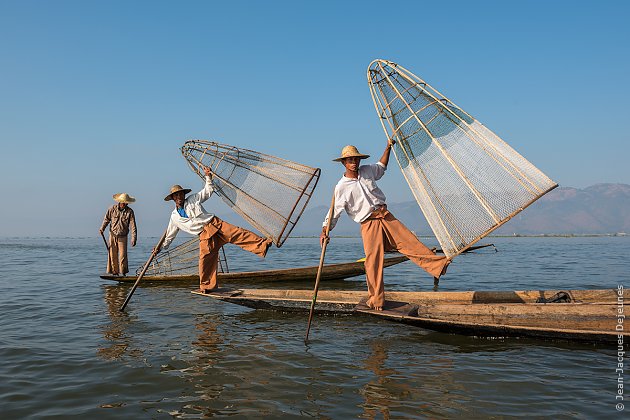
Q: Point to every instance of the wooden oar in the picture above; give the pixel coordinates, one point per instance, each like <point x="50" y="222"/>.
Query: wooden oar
<point x="144" y="270"/>
<point x="321" y="265"/>
<point x="105" y="240"/>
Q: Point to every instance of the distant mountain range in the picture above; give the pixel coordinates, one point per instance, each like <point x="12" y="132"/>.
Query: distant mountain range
<point x="598" y="209"/>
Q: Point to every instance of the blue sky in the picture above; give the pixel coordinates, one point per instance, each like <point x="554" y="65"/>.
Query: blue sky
<point x="97" y="97"/>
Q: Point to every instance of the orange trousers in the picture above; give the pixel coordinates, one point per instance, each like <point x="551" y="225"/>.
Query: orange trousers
<point x="216" y="234"/>
<point x="117" y="257"/>
<point x="383" y="232"/>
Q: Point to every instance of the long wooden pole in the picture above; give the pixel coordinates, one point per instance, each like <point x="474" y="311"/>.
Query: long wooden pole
<point x="471" y="248"/>
<point x="144" y="270"/>
<point x="321" y="265"/>
<point x="104" y="240"/>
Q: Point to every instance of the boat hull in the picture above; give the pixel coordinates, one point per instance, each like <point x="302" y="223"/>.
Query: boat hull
<point x="591" y="315"/>
<point x="330" y="272"/>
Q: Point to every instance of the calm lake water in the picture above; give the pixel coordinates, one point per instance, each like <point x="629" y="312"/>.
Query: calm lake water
<point x="67" y="352"/>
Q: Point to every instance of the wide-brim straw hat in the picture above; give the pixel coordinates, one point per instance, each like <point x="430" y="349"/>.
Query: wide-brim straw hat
<point x="174" y="189"/>
<point x="124" y="198"/>
<point x="350" y="151"/>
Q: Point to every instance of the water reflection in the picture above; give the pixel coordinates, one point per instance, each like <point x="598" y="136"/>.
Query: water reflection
<point x="201" y="372"/>
<point x="209" y="340"/>
<point x="115" y="332"/>
<point x="382" y="391"/>
<point x="424" y="381"/>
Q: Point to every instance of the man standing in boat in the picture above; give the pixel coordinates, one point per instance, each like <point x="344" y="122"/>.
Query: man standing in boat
<point x="121" y="220"/>
<point x="358" y="194"/>
<point x="190" y="216"/>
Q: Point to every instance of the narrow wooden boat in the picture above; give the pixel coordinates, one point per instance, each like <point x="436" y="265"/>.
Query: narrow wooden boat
<point x="330" y="272"/>
<point x="584" y="315"/>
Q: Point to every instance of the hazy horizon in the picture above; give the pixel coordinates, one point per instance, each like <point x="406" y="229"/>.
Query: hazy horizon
<point x="99" y="97"/>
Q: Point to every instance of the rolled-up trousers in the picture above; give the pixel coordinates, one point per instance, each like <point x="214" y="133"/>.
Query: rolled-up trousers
<point x="216" y="234"/>
<point x="117" y="256"/>
<point x="383" y="232"/>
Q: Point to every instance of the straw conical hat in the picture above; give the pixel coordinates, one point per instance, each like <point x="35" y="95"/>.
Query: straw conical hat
<point x="350" y="151"/>
<point x="176" y="188"/>
<point x="124" y="198"/>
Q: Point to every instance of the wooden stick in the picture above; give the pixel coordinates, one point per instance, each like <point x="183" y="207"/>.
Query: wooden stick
<point x="321" y="265"/>
<point x="471" y="248"/>
<point x="144" y="270"/>
<point x="105" y="240"/>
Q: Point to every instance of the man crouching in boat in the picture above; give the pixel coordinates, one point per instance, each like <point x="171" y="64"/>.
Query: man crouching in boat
<point x="191" y="217"/>
<point x="358" y="194"/>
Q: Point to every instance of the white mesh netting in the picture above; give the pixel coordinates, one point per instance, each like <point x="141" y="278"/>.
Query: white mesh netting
<point x="466" y="180"/>
<point x="269" y="192"/>
<point x="182" y="260"/>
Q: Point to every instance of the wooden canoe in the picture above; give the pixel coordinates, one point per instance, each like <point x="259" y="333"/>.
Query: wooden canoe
<point x="330" y="272"/>
<point x="591" y="315"/>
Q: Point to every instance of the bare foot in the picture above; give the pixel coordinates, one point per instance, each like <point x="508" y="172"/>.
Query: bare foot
<point x="268" y="244"/>
<point x="378" y="308"/>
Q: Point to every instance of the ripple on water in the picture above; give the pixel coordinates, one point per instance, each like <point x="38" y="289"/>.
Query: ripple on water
<point x="68" y="351"/>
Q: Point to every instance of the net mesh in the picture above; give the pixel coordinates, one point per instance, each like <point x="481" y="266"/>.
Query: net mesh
<point x="182" y="260"/>
<point x="269" y="192"/>
<point x="466" y="180"/>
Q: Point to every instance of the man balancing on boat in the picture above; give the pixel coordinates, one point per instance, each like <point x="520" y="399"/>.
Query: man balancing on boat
<point x="121" y="220"/>
<point x="358" y="194"/>
<point x="190" y="216"/>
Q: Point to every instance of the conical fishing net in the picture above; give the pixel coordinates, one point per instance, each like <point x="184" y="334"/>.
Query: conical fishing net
<point x="269" y="192"/>
<point x="466" y="180"/>
<point x="182" y="260"/>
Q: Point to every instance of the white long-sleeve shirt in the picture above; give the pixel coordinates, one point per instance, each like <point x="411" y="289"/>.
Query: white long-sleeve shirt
<point x="197" y="218"/>
<point x="359" y="197"/>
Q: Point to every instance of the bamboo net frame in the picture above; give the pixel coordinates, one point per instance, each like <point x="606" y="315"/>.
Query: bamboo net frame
<point x="466" y="179"/>
<point x="269" y="192"/>
<point x="182" y="260"/>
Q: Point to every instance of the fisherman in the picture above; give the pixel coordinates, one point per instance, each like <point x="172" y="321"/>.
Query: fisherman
<point x="191" y="217"/>
<point x="121" y="219"/>
<point x="358" y="194"/>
